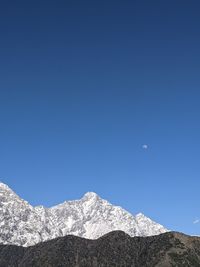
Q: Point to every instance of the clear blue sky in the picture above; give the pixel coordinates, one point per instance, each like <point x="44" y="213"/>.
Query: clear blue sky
<point x="84" y="85"/>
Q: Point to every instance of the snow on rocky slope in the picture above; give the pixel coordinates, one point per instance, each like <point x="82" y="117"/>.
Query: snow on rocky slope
<point x="89" y="217"/>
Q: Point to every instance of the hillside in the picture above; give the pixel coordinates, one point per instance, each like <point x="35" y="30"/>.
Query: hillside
<point x="114" y="249"/>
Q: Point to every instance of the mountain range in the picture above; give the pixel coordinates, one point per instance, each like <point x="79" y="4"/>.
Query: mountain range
<point x="115" y="249"/>
<point x="90" y="217"/>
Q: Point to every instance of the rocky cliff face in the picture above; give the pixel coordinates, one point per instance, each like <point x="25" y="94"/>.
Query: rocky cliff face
<point x="90" y="217"/>
<point x="114" y="249"/>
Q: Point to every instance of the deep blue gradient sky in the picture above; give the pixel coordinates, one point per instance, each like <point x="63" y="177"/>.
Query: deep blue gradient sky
<point x="83" y="85"/>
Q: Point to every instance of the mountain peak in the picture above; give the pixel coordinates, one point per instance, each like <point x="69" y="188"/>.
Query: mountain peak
<point x="4" y="186"/>
<point x="90" y="195"/>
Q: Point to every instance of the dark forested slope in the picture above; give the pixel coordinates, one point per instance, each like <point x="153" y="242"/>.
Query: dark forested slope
<point x="113" y="249"/>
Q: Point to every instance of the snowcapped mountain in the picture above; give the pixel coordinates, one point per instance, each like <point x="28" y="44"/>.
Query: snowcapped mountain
<point x="89" y="217"/>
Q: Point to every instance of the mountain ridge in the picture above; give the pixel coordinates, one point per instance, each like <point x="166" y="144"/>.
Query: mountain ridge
<point x="89" y="217"/>
<point x="171" y="249"/>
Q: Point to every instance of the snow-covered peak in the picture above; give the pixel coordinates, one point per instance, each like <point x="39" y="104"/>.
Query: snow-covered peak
<point x="7" y="195"/>
<point x="89" y="217"/>
<point x="90" y="195"/>
<point x="4" y="187"/>
<point x="91" y="198"/>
